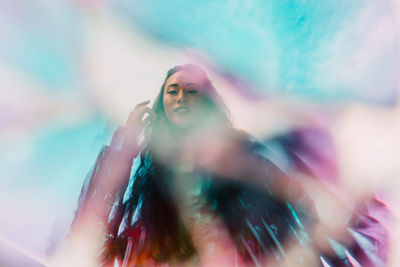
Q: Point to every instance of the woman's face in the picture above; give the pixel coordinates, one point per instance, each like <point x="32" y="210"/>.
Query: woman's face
<point x="183" y="97"/>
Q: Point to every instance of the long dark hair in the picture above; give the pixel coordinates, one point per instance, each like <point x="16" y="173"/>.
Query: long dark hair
<point x="167" y="239"/>
<point x="152" y="177"/>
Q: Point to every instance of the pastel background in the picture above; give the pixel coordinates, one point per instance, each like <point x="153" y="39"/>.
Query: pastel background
<point x="71" y="70"/>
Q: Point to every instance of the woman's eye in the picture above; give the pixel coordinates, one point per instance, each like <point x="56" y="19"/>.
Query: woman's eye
<point x="193" y="91"/>
<point x="172" y="92"/>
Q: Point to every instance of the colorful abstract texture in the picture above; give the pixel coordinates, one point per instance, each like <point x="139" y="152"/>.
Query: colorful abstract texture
<point x="332" y="51"/>
<point x="71" y="70"/>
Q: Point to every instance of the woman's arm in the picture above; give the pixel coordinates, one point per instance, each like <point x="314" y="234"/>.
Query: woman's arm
<point x="112" y="168"/>
<point x="104" y="185"/>
<point x="109" y="175"/>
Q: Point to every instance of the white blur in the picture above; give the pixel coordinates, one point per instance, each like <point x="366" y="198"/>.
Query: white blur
<point x="122" y="67"/>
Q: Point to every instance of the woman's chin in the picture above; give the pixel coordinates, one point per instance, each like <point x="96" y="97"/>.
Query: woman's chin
<point x="182" y="121"/>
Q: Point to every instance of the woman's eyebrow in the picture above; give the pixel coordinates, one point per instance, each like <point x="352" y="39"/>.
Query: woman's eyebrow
<point x="192" y="84"/>
<point x="173" y="85"/>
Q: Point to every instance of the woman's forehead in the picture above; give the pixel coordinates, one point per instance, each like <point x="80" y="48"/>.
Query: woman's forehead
<point x="187" y="77"/>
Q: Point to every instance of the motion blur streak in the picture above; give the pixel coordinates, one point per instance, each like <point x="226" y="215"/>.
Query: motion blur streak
<point x="317" y="82"/>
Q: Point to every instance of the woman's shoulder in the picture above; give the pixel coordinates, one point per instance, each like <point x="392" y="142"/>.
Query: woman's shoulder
<point x="266" y="149"/>
<point x="250" y="143"/>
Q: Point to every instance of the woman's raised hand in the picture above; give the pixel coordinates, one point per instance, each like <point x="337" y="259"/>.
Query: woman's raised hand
<point x="135" y="124"/>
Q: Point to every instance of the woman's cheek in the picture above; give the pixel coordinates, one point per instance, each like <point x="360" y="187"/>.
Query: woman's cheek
<point x="168" y="107"/>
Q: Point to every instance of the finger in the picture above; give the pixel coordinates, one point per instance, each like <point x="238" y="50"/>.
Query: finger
<point x="138" y="112"/>
<point x="142" y="103"/>
<point x="141" y="111"/>
<point x="135" y="115"/>
<point x="145" y="122"/>
<point x="151" y="112"/>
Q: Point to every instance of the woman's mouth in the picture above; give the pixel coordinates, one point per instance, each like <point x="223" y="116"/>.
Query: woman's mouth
<point x="182" y="110"/>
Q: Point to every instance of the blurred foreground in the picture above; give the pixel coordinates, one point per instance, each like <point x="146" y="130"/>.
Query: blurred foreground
<point x="322" y="94"/>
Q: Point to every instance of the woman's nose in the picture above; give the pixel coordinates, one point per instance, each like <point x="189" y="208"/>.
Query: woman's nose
<point x="181" y="96"/>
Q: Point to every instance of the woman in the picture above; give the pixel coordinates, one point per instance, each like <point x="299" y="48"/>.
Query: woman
<point x="201" y="192"/>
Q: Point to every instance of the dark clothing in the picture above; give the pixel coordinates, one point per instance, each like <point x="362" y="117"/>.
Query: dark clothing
<point x="144" y="225"/>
